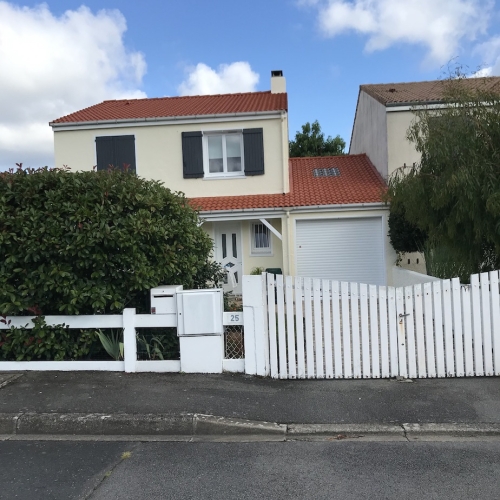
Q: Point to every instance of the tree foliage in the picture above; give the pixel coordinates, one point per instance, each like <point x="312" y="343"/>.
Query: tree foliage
<point x="405" y="236"/>
<point x="453" y="193"/>
<point x="93" y="242"/>
<point x="311" y="142"/>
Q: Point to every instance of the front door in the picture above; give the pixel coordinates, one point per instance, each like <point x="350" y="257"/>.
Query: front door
<point x="228" y="254"/>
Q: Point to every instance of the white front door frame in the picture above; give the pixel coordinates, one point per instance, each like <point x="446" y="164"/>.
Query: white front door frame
<point x="229" y="253"/>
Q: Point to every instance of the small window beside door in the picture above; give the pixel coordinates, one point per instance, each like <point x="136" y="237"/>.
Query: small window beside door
<point x="261" y="239"/>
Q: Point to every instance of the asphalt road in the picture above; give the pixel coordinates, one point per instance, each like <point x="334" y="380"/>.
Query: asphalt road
<point x="293" y="470"/>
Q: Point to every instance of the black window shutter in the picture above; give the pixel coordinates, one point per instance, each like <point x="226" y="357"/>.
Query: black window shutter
<point x="105" y="152"/>
<point x="253" y="145"/>
<point x="116" y="150"/>
<point x="125" y="152"/>
<point x="192" y="155"/>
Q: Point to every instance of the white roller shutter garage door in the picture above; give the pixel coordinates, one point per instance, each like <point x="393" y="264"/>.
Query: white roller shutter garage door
<point x="341" y="249"/>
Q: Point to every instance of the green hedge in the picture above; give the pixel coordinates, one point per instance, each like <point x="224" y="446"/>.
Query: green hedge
<point x="94" y="242"/>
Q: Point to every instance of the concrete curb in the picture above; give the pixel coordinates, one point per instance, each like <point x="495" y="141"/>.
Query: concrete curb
<point x="344" y="430"/>
<point x="431" y="430"/>
<point x="122" y="424"/>
<point x="194" y="424"/>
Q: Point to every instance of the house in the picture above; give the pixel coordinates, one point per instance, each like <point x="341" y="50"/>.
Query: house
<point x="316" y="217"/>
<point x="384" y="114"/>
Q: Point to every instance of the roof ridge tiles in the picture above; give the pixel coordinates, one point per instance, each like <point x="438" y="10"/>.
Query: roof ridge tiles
<point x="178" y="106"/>
<point x="184" y="96"/>
<point x="428" y="91"/>
<point x="428" y="81"/>
<point x="297" y="158"/>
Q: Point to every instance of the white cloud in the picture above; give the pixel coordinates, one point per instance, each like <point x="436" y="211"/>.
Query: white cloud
<point x="490" y="53"/>
<point x="483" y="72"/>
<point x="51" y="66"/>
<point x="438" y="25"/>
<point x="227" y="79"/>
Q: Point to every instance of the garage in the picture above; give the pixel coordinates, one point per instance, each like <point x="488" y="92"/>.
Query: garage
<point x="346" y="249"/>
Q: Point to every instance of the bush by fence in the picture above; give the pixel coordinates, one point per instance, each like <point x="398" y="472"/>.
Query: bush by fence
<point x="93" y="242"/>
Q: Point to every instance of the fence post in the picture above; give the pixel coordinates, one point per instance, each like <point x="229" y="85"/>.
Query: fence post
<point x="129" y="340"/>
<point x="256" y="335"/>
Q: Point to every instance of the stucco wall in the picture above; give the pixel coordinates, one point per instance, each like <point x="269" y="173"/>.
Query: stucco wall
<point x="159" y="155"/>
<point x="369" y="134"/>
<point x="400" y="150"/>
<point x="250" y="261"/>
<point x="390" y="254"/>
<point x="404" y="277"/>
<point x="413" y="261"/>
<point x="265" y="261"/>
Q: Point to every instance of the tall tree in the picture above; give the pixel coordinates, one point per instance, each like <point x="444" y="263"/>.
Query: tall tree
<point x="311" y="142"/>
<point x="453" y="193"/>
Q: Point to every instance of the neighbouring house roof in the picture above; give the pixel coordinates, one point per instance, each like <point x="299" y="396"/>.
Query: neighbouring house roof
<point x="169" y="107"/>
<point x="355" y="180"/>
<point x="397" y="94"/>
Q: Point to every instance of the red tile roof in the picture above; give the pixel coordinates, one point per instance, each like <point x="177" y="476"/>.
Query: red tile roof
<point x="358" y="182"/>
<point x="424" y="92"/>
<point x="167" y="107"/>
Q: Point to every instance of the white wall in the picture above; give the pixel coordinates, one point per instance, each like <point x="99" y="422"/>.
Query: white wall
<point x="159" y="155"/>
<point x="265" y="261"/>
<point x="369" y="134"/>
<point x="404" y="277"/>
<point x="400" y="150"/>
<point x="413" y="261"/>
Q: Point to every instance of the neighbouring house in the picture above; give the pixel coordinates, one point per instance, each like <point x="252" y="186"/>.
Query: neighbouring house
<point x="384" y="114"/>
<point x="314" y="217"/>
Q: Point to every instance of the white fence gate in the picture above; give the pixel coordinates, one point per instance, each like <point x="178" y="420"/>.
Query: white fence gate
<point x="319" y="328"/>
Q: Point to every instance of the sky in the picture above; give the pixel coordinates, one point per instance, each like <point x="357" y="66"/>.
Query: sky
<point x="61" y="56"/>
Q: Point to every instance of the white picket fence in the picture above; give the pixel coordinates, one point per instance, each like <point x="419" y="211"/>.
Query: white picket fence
<point x="128" y="321"/>
<point x="320" y="328"/>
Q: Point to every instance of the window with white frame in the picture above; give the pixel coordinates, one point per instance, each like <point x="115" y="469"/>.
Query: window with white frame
<point x="261" y="239"/>
<point x="223" y="154"/>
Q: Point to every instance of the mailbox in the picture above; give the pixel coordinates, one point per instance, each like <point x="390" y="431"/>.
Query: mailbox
<point x="163" y="299"/>
<point x="199" y="312"/>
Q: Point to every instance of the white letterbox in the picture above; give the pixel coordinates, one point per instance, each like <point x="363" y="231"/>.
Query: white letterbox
<point x="199" y="312"/>
<point x="163" y="299"/>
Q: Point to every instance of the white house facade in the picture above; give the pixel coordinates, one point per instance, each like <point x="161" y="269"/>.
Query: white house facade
<point x="317" y="217"/>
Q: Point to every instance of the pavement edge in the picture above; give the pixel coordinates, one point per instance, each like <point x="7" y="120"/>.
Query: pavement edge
<point x="198" y="425"/>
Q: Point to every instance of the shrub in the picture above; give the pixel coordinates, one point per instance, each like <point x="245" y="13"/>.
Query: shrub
<point x="94" y="242"/>
<point x="404" y="236"/>
<point x="54" y="343"/>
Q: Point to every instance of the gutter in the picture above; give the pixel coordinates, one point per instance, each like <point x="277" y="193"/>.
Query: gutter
<point x="413" y="103"/>
<point x="165" y="120"/>
<point x="275" y="212"/>
<point x="409" y="106"/>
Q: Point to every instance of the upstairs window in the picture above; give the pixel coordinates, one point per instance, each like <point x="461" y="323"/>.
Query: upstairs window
<point x="223" y="154"/>
<point x="117" y="151"/>
<point x="261" y="239"/>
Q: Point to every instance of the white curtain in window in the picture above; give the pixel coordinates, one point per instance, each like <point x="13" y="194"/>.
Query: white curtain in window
<point x="233" y="153"/>
<point x="215" y="156"/>
<point x="261" y="236"/>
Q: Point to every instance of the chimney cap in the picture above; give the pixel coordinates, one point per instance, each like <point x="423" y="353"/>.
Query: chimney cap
<point x="277" y="72"/>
